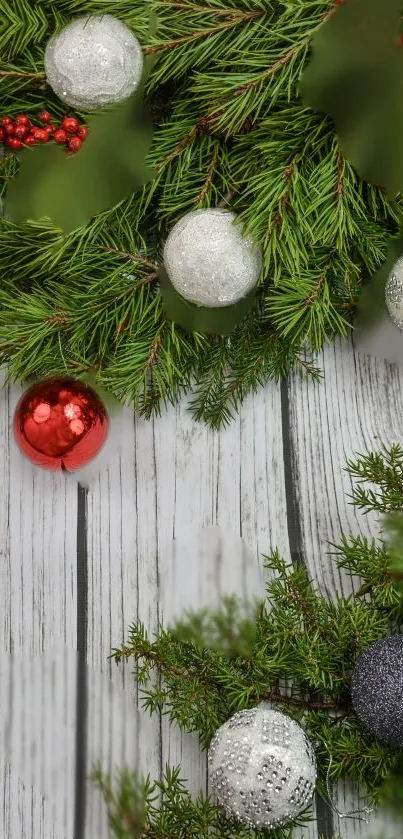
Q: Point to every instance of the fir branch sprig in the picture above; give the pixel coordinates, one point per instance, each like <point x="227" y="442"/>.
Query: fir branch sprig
<point x="231" y="124"/>
<point x="295" y="650"/>
<point x="135" y="811"/>
<point x="384" y="469"/>
<point x="300" y="637"/>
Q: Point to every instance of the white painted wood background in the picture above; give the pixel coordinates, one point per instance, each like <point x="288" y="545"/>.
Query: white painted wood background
<point x="176" y="516"/>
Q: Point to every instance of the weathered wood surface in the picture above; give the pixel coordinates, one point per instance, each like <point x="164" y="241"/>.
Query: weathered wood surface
<point x="175" y="516"/>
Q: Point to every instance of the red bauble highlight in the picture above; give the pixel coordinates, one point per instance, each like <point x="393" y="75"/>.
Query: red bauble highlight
<point x="60" y="424"/>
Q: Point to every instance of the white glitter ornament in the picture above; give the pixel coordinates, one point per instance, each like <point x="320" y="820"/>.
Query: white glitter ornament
<point x="262" y="768"/>
<point x="394" y="293"/>
<point x="93" y="61"/>
<point x="208" y="260"/>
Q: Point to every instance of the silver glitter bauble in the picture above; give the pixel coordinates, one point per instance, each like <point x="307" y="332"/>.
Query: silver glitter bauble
<point x="377" y="690"/>
<point x="262" y="768"/>
<point x="93" y="61"/>
<point x="394" y="293"/>
<point x="208" y="260"/>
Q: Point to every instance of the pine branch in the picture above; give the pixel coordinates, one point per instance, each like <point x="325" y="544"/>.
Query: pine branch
<point x="134" y="812"/>
<point x="231" y="124"/>
<point x="295" y="650"/>
<point x="385" y="470"/>
<point x="299" y="636"/>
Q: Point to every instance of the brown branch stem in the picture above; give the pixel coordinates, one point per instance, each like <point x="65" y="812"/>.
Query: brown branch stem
<point x="273" y="695"/>
<point x="22" y="75"/>
<point x="234" y="19"/>
<point x="133" y="257"/>
<point x="153" y="352"/>
<point x="176" y="4"/>
<point x="209" y="176"/>
<point x="311" y="704"/>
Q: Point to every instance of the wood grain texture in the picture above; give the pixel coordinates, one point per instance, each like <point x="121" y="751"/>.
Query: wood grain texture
<point x="173" y="516"/>
<point x="354" y="409"/>
<point x="37" y="622"/>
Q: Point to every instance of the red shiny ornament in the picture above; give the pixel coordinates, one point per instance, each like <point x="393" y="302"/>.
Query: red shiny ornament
<point x="60" y="136"/>
<point x="60" y="424"/>
<point x="82" y="132"/>
<point x="74" y="144"/>
<point x="70" y="125"/>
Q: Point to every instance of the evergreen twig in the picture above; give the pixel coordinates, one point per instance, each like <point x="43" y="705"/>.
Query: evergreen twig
<point x="295" y="649"/>
<point x="231" y="124"/>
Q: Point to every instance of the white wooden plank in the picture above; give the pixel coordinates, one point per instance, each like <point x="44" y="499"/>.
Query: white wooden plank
<point x="356" y="407"/>
<point x="172" y="478"/>
<point x="37" y="730"/>
<point x="25" y="811"/>
<point x="122" y="586"/>
<point x="37" y="584"/>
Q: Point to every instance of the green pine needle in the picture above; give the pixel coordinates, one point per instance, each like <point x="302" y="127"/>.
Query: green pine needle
<point x="229" y="128"/>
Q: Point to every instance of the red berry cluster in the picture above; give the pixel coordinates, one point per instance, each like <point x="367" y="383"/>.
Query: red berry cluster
<point x="19" y="132"/>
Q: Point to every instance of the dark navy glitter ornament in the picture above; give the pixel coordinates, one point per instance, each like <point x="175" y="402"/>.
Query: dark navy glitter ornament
<point x="377" y="690"/>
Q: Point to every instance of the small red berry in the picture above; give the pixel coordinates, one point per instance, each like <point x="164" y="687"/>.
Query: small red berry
<point x="49" y="129"/>
<point x="44" y="116"/>
<point x="82" y="132"/>
<point x="9" y="128"/>
<point x="1" y="135"/>
<point x="74" y="144"/>
<point x="14" y="143"/>
<point x="6" y="121"/>
<point x="41" y="136"/>
<point x="23" y="119"/>
<point x="60" y="136"/>
<point x="30" y="140"/>
<point x="70" y="125"/>
<point x="21" y="131"/>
